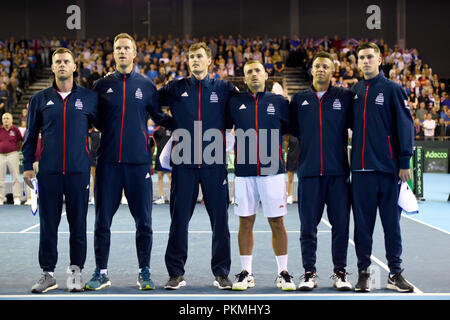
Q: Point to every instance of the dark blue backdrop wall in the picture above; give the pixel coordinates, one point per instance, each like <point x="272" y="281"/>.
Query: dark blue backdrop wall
<point x="426" y="22"/>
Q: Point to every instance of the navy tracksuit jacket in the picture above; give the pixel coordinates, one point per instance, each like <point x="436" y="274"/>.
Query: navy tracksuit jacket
<point x="383" y="138"/>
<point x="64" y="167"/>
<point x="321" y="126"/>
<point x="124" y="159"/>
<point x="204" y="101"/>
<point x="263" y="111"/>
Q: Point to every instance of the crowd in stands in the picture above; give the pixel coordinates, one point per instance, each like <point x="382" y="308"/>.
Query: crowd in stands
<point x="18" y="68"/>
<point x="165" y="58"/>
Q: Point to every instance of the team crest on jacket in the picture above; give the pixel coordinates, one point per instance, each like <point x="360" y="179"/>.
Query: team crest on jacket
<point x="379" y="99"/>
<point x="138" y="94"/>
<point x="270" y="109"/>
<point x="79" y="104"/>
<point x="213" y="98"/>
<point x="337" y="105"/>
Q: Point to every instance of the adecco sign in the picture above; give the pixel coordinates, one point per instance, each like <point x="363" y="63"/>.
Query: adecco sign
<point x="436" y="160"/>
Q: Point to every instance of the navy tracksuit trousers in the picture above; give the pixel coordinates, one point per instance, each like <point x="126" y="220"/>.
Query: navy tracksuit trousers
<point x="110" y="180"/>
<point x="183" y="197"/>
<point x="313" y="194"/>
<point x="372" y="190"/>
<point x="51" y="188"/>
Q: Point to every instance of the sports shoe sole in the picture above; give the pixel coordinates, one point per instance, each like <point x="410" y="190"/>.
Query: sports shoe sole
<point x="235" y="287"/>
<point x="105" y="285"/>
<point x="217" y="284"/>
<point x="45" y="290"/>
<point x="292" y="288"/>
<point x="181" y="284"/>
<point x="147" y="287"/>
<point x="362" y="290"/>
<point x="305" y="288"/>
<point x="394" y="287"/>
<point x="342" y="288"/>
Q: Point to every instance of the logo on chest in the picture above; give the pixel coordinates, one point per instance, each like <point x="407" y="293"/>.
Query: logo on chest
<point x="138" y="94"/>
<point x="12" y="133"/>
<point x="337" y="105"/>
<point x="213" y="98"/>
<point x="78" y="104"/>
<point x="379" y="100"/>
<point x="270" y="109"/>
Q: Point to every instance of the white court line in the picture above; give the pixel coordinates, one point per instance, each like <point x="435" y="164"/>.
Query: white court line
<point x="208" y="296"/>
<point x="425" y="224"/>
<point x="378" y="261"/>
<point x="155" y="232"/>
<point x="36" y="225"/>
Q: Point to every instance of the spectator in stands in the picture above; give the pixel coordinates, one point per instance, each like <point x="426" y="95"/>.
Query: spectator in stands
<point x="445" y="100"/>
<point x="418" y="131"/>
<point x="441" y="129"/>
<point x="429" y="126"/>
<point x="421" y="112"/>
<point x="4" y="99"/>
<point x="269" y="67"/>
<point x="279" y="65"/>
<point x="10" y="142"/>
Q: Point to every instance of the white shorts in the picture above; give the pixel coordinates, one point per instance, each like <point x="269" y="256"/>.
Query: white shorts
<point x="271" y="190"/>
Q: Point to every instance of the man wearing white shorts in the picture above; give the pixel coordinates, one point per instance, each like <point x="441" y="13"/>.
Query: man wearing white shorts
<point x="259" y="118"/>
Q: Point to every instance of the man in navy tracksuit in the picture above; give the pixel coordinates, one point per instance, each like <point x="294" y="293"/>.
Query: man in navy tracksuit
<point x="124" y="162"/>
<point x="197" y="104"/>
<point x="381" y="149"/>
<point x="260" y="119"/>
<point x="320" y="118"/>
<point x="63" y="113"/>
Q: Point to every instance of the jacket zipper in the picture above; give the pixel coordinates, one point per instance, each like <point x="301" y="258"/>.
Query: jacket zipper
<point x="123" y="115"/>
<point x="257" y="133"/>
<point x="199" y="120"/>
<point x="364" y="126"/>
<point x="64" y="131"/>
<point x="321" y="135"/>
<point x="390" y="148"/>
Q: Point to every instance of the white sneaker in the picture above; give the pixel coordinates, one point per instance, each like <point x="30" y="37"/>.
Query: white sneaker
<point x="284" y="281"/>
<point x="290" y="199"/>
<point x="309" y="281"/>
<point x="340" y="281"/>
<point x="92" y="201"/>
<point x="74" y="281"/>
<point x="124" y="200"/>
<point x="244" y="280"/>
<point x="28" y="202"/>
<point x="17" y="202"/>
<point x="159" y="200"/>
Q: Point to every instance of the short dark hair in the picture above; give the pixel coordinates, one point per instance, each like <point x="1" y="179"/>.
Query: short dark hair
<point x="62" y="50"/>
<point x="200" y="45"/>
<point x="367" y="45"/>
<point x="323" y="54"/>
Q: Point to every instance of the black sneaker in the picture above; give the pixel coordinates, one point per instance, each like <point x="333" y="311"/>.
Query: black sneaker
<point x="223" y="282"/>
<point x="363" y="284"/>
<point x="397" y="282"/>
<point x="175" y="282"/>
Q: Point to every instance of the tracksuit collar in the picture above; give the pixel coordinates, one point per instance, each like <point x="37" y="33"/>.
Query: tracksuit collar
<point x="372" y="81"/>
<point x="120" y="75"/>
<point x="74" y="87"/>
<point x="194" y="81"/>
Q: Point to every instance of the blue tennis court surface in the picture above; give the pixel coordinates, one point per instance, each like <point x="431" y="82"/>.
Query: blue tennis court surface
<point x="426" y="256"/>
